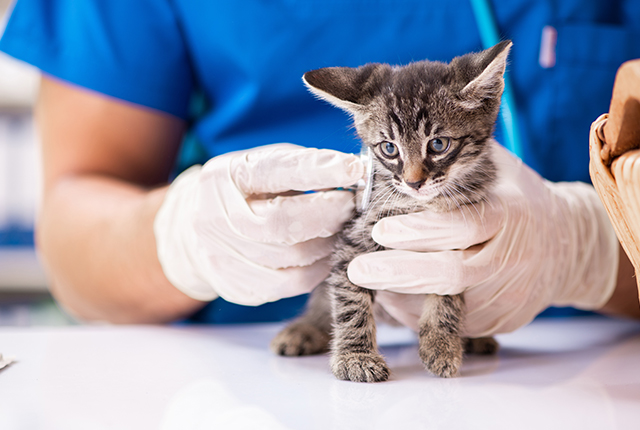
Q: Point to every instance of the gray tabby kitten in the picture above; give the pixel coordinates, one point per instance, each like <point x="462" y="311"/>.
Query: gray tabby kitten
<point x="429" y="125"/>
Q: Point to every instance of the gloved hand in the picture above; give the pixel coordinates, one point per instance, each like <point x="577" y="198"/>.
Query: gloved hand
<point x="240" y="228"/>
<point x="532" y="244"/>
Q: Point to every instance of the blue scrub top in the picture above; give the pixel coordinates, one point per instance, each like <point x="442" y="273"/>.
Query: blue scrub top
<point x="233" y="68"/>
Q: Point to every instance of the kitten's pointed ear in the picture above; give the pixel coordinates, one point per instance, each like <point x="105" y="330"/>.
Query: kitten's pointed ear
<point x="345" y="87"/>
<point x="490" y="82"/>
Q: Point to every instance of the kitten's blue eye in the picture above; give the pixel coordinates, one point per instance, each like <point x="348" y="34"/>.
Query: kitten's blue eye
<point x="389" y="149"/>
<point x="439" y="144"/>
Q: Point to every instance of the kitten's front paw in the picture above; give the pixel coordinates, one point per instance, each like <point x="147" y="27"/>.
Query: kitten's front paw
<point x="359" y="367"/>
<point x="300" y="339"/>
<point x="442" y="356"/>
<point x="481" y="345"/>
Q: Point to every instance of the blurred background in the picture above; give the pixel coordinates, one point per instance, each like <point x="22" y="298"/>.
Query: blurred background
<point x="24" y="298"/>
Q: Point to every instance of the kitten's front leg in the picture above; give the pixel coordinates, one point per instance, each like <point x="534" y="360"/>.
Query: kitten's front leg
<point x="354" y="350"/>
<point x="441" y="346"/>
<point x="310" y="333"/>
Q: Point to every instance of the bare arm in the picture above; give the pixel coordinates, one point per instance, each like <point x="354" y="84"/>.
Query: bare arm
<point x="103" y="163"/>
<point x="624" y="301"/>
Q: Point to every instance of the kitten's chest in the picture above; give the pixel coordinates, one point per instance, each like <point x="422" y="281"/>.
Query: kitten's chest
<point x="384" y="203"/>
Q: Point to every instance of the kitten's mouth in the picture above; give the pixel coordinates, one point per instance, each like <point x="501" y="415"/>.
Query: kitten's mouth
<point x="426" y="192"/>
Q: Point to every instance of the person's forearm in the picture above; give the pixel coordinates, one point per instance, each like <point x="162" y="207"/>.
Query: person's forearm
<point x="95" y="236"/>
<point x="624" y="301"/>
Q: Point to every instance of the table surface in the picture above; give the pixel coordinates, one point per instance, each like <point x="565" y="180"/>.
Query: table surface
<point x="580" y="373"/>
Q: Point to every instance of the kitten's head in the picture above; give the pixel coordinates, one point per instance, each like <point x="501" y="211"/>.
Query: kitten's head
<point x="428" y="123"/>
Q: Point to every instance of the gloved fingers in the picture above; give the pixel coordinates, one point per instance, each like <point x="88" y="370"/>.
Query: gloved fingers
<point x="253" y="285"/>
<point x="295" y="219"/>
<point x="495" y="317"/>
<point x="491" y="317"/>
<point x="276" y="256"/>
<point x="507" y="301"/>
<point x="499" y="316"/>
<point x="486" y="318"/>
<point x="409" y="272"/>
<point x="433" y="231"/>
<point x="284" y="167"/>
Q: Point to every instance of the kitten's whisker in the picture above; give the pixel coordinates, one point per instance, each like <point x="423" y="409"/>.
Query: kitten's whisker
<point x="383" y="192"/>
<point x="386" y="195"/>
<point x="384" y="205"/>
<point x="459" y="186"/>
<point x="451" y="193"/>
<point x="472" y="203"/>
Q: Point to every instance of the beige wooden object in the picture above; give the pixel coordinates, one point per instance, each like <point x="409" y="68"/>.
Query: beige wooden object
<point x="615" y="160"/>
<point x="621" y="132"/>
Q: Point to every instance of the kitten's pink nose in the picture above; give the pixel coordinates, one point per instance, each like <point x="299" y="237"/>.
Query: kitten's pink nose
<point x="415" y="185"/>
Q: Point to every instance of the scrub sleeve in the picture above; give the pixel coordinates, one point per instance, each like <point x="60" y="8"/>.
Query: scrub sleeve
<point x="126" y="49"/>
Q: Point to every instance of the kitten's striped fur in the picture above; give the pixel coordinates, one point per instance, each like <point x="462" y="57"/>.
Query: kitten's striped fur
<point x="406" y="115"/>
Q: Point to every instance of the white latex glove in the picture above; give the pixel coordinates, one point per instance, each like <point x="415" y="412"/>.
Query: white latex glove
<point x="234" y="228"/>
<point x="533" y="244"/>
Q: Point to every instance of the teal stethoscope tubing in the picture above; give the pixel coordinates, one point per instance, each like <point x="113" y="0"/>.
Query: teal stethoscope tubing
<point x="508" y="113"/>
